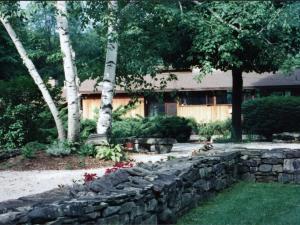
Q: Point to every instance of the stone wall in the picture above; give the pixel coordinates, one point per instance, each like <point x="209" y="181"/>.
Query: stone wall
<point x="147" y="194"/>
<point x="276" y="165"/>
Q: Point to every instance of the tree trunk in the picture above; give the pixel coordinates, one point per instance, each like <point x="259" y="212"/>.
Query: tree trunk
<point x="70" y="72"/>
<point x="237" y="98"/>
<point x="108" y="84"/>
<point x="36" y="77"/>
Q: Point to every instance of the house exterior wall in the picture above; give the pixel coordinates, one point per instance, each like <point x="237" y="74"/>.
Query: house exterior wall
<point x="91" y="103"/>
<point x="205" y="113"/>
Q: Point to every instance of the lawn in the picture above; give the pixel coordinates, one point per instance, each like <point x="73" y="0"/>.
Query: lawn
<point x="249" y="203"/>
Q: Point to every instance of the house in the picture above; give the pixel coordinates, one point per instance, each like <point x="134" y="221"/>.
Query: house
<point x="205" y="101"/>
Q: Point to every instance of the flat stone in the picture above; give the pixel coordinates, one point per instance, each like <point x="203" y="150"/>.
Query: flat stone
<point x="292" y="153"/>
<point x="265" y="168"/>
<point x="285" y="178"/>
<point x="273" y="154"/>
<point x="110" y="210"/>
<point x="277" y="168"/>
<point x="291" y="165"/>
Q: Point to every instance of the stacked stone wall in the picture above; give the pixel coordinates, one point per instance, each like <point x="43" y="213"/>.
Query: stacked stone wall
<point x="147" y="194"/>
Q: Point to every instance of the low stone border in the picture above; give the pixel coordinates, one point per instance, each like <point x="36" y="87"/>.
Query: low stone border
<point x="277" y="165"/>
<point x="148" y="194"/>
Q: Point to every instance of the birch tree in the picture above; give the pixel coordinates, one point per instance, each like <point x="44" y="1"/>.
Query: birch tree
<point x="35" y="76"/>
<point x="108" y="83"/>
<point x="70" y="71"/>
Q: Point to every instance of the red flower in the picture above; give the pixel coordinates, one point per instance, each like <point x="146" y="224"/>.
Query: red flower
<point x="89" y="177"/>
<point x="118" y="165"/>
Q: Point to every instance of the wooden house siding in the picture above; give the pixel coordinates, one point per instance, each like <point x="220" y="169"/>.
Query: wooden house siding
<point x="91" y="103"/>
<point x="205" y="113"/>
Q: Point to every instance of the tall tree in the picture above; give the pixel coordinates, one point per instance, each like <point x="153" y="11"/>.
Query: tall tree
<point x="70" y="71"/>
<point x="241" y="37"/>
<point x="109" y="78"/>
<point x="35" y="75"/>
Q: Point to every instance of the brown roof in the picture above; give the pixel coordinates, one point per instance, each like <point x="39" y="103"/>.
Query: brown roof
<point x="217" y="80"/>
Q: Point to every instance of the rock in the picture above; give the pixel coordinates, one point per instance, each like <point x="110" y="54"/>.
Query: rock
<point x="204" y="172"/>
<point x="127" y="207"/>
<point x="97" y="140"/>
<point x="265" y="168"/>
<point x="273" y="154"/>
<point x="110" y="210"/>
<point x="166" y="217"/>
<point x="277" y="168"/>
<point x="285" y="178"/>
<point x="43" y="214"/>
<point x="292" y="153"/>
<point x="291" y="165"/>
<point x="112" y="220"/>
<point x="152" y="220"/>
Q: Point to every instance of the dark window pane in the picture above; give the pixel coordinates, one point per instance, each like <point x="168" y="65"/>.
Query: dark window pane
<point x="221" y="97"/>
<point x="193" y="98"/>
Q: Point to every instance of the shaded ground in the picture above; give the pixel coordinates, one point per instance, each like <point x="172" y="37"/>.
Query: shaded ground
<point x="42" y="161"/>
<point x="249" y="203"/>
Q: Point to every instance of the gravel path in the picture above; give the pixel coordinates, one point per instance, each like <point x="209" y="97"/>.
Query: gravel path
<point x="15" y="184"/>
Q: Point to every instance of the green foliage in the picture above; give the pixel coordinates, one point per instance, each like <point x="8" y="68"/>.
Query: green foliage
<point x="215" y="128"/>
<point x="158" y="127"/>
<point x="166" y="127"/>
<point x="269" y="115"/>
<point x="60" y="148"/>
<point x="119" y="112"/>
<point x="249" y="36"/>
<point x="29" y="150"/>
<point x="24" y="117"/>
<point x="87" y="150"/>
<point x="113" y="153"/>
<point x="87" y="127"/>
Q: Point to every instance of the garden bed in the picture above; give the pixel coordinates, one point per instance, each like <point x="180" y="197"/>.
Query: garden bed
<point x="249" y="203"/>
<point x="43" y="161"/>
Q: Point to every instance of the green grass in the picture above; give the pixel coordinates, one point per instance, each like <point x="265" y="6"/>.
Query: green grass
<point x="249" y="203"/>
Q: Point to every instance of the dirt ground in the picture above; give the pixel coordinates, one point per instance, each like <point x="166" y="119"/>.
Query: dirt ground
<point x="42" y="161"/>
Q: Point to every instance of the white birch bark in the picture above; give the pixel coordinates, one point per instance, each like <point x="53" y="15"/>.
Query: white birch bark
<point x="35" y="76"/>
<point x="108" y="83"/>
<point x="70" y="72"/>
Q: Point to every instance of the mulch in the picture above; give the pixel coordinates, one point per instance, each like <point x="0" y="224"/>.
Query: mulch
<point x="43" y="161"/>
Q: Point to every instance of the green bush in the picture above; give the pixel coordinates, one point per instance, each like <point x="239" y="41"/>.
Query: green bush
<point x="87" y="127"/>
<point x="113" y="153"/>
<point x="29" y="150"/>
<point x="158" y="127"/>
<point x="269" y="115"/>
<point x="87" y="150"/>
<point x="60" y="148"/>
<point x="207" y="130"/>
<point x="24" y="116"/>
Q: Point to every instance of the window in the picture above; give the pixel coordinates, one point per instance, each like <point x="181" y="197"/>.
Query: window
<point x="221" y="97"/>
<point x="193" y="98"/>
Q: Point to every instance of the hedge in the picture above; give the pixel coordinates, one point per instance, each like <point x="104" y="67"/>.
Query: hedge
<point x="158" y="127"/>
<point x="270" y="115"/>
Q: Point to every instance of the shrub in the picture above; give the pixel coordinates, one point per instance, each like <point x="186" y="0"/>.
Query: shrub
<point x="60" y="148"/>
<point x="24" y="116"/>
<point x="215" y="128"/>
<point x="158" y="127"/>
<point x="269" y="115"/>
<point x="87" y="127"/>
<point x="113" y="153"/>
<point x="29" y="150"/>
<point x="130" y="127"/>
<point x="87" y="150"/>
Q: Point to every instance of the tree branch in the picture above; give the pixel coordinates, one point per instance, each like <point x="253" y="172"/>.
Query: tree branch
<point x="219" y="18"/>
